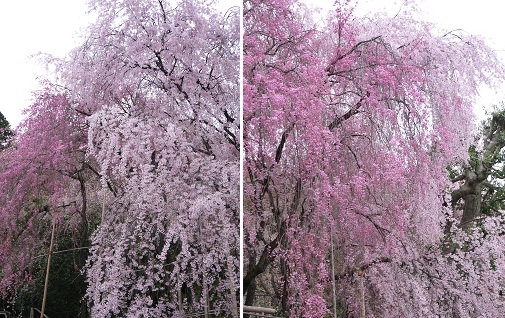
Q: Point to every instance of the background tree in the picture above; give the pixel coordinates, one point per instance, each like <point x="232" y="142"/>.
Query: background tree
<point x="5" y="131"/>
<point x="45" y="178"/>
<point x="482" y="189"/>
<point x="348" y="129"/>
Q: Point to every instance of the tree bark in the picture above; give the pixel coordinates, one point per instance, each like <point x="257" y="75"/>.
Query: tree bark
<point x="477" y="172"/>
<point x="471" y="208"/>
<point x="251" y="294"/>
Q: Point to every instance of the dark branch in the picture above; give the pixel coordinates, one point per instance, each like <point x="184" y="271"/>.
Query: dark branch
<point x="349" y="272"/>
<point x="353" y="111"/>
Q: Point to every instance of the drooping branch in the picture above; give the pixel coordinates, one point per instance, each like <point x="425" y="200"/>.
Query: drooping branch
<point x="353" y="111"/>
<point x="280" y="147"/>
<point x="349" y="272"/>
<point x="330" y="68"/>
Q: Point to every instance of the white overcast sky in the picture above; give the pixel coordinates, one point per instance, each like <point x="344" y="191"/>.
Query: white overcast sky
<point x="50" y="26"/>
<point x="26" y="28"/>
<point x="31" y="26"/>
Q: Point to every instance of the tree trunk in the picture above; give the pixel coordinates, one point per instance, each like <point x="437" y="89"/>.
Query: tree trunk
<point x="471" y="208"/>
<point x="285" y="287"/>
<point x="251" y="294"/>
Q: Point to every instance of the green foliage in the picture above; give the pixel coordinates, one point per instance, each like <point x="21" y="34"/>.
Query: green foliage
<point x="474" y="156"/>
<point x="487" y="161"/>
<point x="5" y="131"/>
<point x="66" y="289"/>
<point x="452" y="171"/>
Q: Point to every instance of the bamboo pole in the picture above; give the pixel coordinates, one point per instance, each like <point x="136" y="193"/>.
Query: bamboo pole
<point x="103" y="204"/>
<point x="333" y="276"/>
<point x="232" y="289"/>
<point x="259" y="310"/>
<point x="204" y="278"/>
<point x="100" y="251"/>
<point x="179" y="295"/>
<point x="47" y="271"/>
<point x="361" y="278"/>
<point x="206" y="294"/>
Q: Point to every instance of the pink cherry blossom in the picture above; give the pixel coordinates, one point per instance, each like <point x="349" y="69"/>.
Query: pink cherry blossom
<point x="348" y="129"/>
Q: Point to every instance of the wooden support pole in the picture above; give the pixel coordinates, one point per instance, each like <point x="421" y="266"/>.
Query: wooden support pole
<point x="234" y="306"/>
<point x="206" y="295"/>
<point x="333" y="276"/>
<point x="103" y="204"/>
<point x="47" y="271"/>
<point x="259" y="310"/>
<point x="179" y="295"/>
<point x="361" y="279"/>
